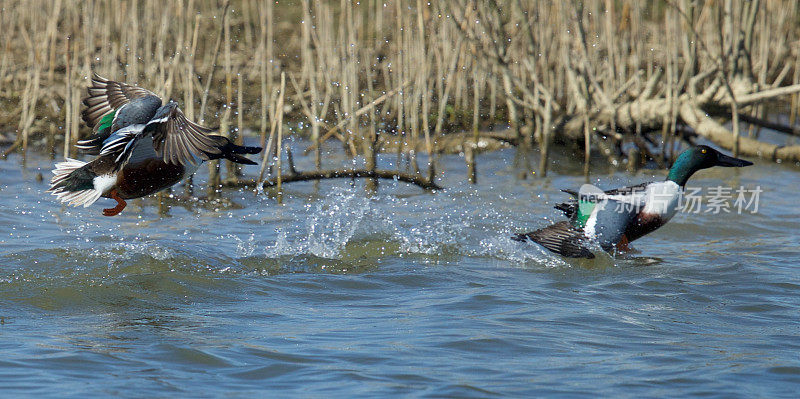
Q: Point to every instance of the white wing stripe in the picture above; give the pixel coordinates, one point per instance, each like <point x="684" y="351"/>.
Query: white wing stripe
<point x="159" y="120"/>
<point x="120" y="138"/>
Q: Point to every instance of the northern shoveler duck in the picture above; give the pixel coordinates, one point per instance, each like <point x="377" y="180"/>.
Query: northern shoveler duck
<point x="142" y="147"/>
<point x="614" y="218"/>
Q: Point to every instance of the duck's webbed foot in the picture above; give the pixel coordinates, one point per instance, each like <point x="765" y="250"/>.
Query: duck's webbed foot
<point x="117" y="209"/>
<point x="622" y="245"/>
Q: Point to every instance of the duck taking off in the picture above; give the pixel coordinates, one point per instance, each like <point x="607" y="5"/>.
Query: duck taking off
<point x="614" y="218"/>
<point x="142" y="147"/>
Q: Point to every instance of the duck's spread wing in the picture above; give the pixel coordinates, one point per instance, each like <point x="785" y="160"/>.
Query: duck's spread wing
<point x="570" y="207"/>
<point x="105" y="96"/>
<point x="599" y="217"/>
<point x="561" y="238"/>
<point x="611" y="218"/>
<point x="180" y="141"/>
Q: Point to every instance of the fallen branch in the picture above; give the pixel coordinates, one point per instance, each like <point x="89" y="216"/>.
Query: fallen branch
<point x="778" y="127"/>
<point x="752" y="98"/>
<point x="707" y="127"/>
<point x="346" y="173"/>
<point x="12" y="148"/>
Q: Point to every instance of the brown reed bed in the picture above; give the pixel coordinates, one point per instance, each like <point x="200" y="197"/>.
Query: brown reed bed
<point x="600" y="76"/>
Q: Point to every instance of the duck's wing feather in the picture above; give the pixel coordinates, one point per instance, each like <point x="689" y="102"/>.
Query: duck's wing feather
<point x="126" y="145"/>
<point x="610" y="219"/>
<point x="180" y="141"/>
<point x="561" y="238"/>
<point x="570" y="207"/>
<point x="105" y="96"/>
<point x="119" y="145"/>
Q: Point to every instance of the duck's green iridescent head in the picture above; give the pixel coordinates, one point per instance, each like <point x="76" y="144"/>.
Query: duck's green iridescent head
<point x="700" y="157"/>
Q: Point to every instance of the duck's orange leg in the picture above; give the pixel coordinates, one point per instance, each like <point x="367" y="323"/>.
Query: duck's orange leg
<point x="622" y="245"/>
<point x="120" y="204"/>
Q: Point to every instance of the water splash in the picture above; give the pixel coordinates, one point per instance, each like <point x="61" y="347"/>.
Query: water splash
<point x="432" y="237"/>
<point x="328" y="228"/>
<point x="334" y="222"/>
<point x="244" y="248"/>
<point x="282" y="246"/>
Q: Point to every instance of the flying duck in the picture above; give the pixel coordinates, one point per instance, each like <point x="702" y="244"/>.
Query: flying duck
<point x="141" y="145"/>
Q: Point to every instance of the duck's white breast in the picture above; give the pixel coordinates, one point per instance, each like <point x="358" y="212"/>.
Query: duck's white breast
<point x="662" y="199"/>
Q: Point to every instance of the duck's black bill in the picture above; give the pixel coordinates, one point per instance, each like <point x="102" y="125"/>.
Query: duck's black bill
<point x="724" y="160"/>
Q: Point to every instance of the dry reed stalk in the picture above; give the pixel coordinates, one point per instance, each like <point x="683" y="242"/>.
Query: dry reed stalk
<point x="666" y="129"/>
<point x="277" y="117"/>
<point x="270" y="149"/>
<point x="763" y="56"/>
<point x="240" y="109"/>
<point x="52" y="24"/>
<point x="262" y="66"/>
<point x="213" y="60"/>
<point x="493" y="98"/>
<point x="399" y="79"/>
<point x="412" y="105"/>
<point x="469" y="156"/>
<point x="189" y="76"/>
<point x="544" y="142"/>
<point x="67" y="100"/>
<point x="311" y="78"/>
<point x="324" y="23"/>
<point x="189" y="79"/>
<point x="728" y="70"/>
<point x="247" y="12"/>
<point x="270" y="47"/>
<point x="33" y="99"/>
<point x="7" y="18"/>
<point x="160" y="67"/>
<point x="674" y="93"/>
<point x="349" y="84"/>
<point x="795" y="104"/>
<point x="477" y="85"/>
<point x="214" y="179"/>
<point x="176" y="53"/>
<point x="279" y="147"/>
<point x="446" y="82"/>
<point x="225" y="128"/>
<point x="425" y="92"/>
<point x="132" y="61"/>
<point x="369" y="142"/>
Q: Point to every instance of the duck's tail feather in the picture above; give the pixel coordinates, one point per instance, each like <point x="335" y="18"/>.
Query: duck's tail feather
<point x="73" y="183"/>
<point x="569" y="208"/>
<point x="561" y="238"/>
<point x="94" y="143"/>
<point x="231" y="152"/>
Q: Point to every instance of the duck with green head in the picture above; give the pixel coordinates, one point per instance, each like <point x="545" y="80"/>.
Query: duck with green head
<point x="616" y="217"/>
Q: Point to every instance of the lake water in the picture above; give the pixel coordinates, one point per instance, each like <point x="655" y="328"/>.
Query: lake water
<point x="409" y="293"/>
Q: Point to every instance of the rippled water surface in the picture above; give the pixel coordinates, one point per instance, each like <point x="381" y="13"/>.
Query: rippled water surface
<point x="408" y="293"/>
